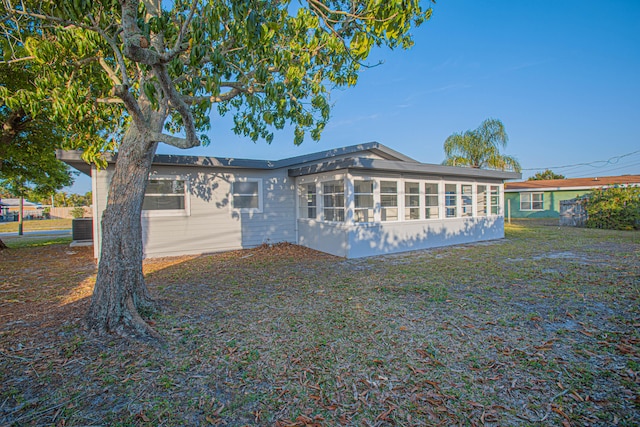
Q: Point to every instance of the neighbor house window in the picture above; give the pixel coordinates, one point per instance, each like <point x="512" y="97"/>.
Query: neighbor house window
<point x="482" y="200"/>
<point x="246" y="195"/>
<point x="333" y="198"/>
<point x="451" y="200"/>
<point x="531" y="201"/>
<point x="411" y="200"/>
<point x="363" y="200"/>
<point x="308" y="201"/>
<point x="389" y="200"/>
<point x="495" y="200"/>
<point x="431" y="210"/>
<point x="467" y="200"/>
<point x="165" y="197"/>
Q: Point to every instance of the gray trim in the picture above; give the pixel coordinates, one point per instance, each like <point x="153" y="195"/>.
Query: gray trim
<point x="401" y="167"/>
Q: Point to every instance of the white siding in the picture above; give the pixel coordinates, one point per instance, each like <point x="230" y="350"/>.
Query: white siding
<point x="211" y="224"/>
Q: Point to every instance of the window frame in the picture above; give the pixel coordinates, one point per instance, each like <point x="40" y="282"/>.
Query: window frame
<point x="408" y="207"/>
<point x="335" y="208"/>
<point x="531" y="201"/>
<point x="370" y="208"/>
<point x="383" y="207"/>
<point x="448" y="197"/>
<point x="185" y="211"/>
<point x="234" y="194"/>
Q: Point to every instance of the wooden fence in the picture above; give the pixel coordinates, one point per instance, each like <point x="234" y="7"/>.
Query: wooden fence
<point x="572" y="213"/>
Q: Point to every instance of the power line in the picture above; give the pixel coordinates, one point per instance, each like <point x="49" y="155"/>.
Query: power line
<point x="595" y="164"/>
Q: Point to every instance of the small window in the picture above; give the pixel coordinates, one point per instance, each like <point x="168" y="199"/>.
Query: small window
<point x="308" y="201"/>
<point x="451" y="200"/>
<point x="482" y="200"/>
<point x="495" y="200"/>
<point x="246" y="195"/>
<point x="431" y="210"/>
<point x="389" y="200"/>
<point x="333" y="198"/>
<point x="467" y="200"/>
<point x="363" y="201"/>
<point x="165" y="197"/>
<point x="411" y="200"/>
<point x="531" y="201"/>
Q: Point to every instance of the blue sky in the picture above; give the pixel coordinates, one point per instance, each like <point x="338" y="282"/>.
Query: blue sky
<point x="563" y="76"/>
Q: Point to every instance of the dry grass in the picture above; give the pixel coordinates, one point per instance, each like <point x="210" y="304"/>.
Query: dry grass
<point x="541" y="328"/>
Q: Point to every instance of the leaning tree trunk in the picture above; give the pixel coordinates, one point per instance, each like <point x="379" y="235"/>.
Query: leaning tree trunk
<point x="120" y="290"/>
<point x="2" y="245"/>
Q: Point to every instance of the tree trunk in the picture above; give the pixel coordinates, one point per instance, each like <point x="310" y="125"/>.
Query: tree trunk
<point x="120" y="290"/>
<point x="2" y="245"/>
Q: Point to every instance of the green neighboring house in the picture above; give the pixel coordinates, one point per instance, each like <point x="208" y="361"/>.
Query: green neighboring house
<point x="541" y="199"/>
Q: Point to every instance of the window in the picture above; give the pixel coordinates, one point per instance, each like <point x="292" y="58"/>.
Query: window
<point x="165" y="197"/>
<point x="363" y="201"/>
<point x="246" y="195"/>
<point x="411" y="200"/>
<point x="389" y="200"/>
<point x="482" y="200"/>
<point x="333" y="197"/>
<point x="308" y="201"/>
<point x="451" y="200"/>
<point x="467" y="200"/>
<point x="495" y="200"/>
<point x="431" y="210"/>
<point x="531" y="201"/>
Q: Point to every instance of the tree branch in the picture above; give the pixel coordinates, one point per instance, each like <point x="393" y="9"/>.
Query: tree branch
<point x="173" y="140"/>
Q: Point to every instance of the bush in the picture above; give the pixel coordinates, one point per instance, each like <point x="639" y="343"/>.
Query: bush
<point x="77" y="212"/>
<point x="615" y="208"/>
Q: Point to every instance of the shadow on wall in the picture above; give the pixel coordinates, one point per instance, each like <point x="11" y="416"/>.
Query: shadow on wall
<point x="363" y="240"/>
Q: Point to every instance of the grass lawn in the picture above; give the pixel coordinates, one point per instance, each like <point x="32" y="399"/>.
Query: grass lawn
<point x="36" y="225"/>
<point x="541" y="328"/>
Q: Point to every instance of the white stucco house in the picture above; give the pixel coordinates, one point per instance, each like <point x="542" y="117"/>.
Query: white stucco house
<point x="355" y="201"/>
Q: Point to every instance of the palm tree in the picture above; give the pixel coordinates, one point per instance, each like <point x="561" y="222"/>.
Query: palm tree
<point x="480" y="148"/>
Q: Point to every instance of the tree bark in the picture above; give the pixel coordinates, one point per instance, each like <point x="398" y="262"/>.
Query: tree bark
<point x="3" y="246"/>
<point x="120" y="290"/>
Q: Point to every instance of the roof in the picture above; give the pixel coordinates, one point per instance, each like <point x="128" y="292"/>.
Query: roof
<point x="572" y="183"/>
<point x="10" y="202"/>
<point x="351" y="157"/>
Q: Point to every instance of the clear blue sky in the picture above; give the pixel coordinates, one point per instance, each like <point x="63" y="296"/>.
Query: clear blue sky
<point x="563" y="76"/>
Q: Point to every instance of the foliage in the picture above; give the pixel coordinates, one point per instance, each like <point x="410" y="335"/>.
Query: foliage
<point x="480" y="148"/>
<point x="77" y="212"/>
<point x="547" y="174"/>
<point x="614" y="208"/>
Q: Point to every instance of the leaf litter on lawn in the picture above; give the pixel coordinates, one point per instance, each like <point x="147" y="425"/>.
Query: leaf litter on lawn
<point x="280" y="335"/>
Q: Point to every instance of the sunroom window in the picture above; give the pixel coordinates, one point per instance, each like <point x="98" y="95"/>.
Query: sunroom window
<point x="495" y="200"/>
<point x="467" y="200"/>
<point x="333" y="198"/>
<point x="411" y="200"/>
<point x="389" y="200"/>
<point x="432" y="208"/>
<point x="451" y="200"/>
<point x="482" y="200"/>
<point x="363" y="200"/>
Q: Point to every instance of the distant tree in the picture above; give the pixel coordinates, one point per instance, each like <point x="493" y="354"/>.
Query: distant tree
<point x="480" y="148"/>
<point x="547" y="174"/>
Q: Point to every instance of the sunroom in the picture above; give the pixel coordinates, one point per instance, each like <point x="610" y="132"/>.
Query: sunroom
<point x="374" y="209"/>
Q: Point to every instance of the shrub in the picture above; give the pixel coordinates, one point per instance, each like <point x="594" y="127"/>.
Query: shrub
<point x="615" y="208"/>
<point x="77" y="212"/>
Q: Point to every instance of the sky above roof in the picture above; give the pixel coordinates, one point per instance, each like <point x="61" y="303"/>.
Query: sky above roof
<point x="563" y="77"/>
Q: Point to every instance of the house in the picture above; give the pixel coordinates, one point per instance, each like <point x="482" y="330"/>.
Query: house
<point x="10" y="209"/>
<point x="352" y="202"/>
<point x="541" y="198"/>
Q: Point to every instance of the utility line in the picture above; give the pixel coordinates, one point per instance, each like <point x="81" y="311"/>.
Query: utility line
<point x="594" y="164"/>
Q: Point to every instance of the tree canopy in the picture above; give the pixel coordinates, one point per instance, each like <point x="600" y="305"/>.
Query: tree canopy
<point x="547" y="174"/>
<point x="126" y="75"/>
<point x="480" y="148"/>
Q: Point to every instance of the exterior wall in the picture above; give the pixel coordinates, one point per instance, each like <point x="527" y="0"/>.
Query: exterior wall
<point x="551" y="205"/>
<point x="210" y="223"/>
<point x="387" y="238"/>
<point x="352" y="239"/>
